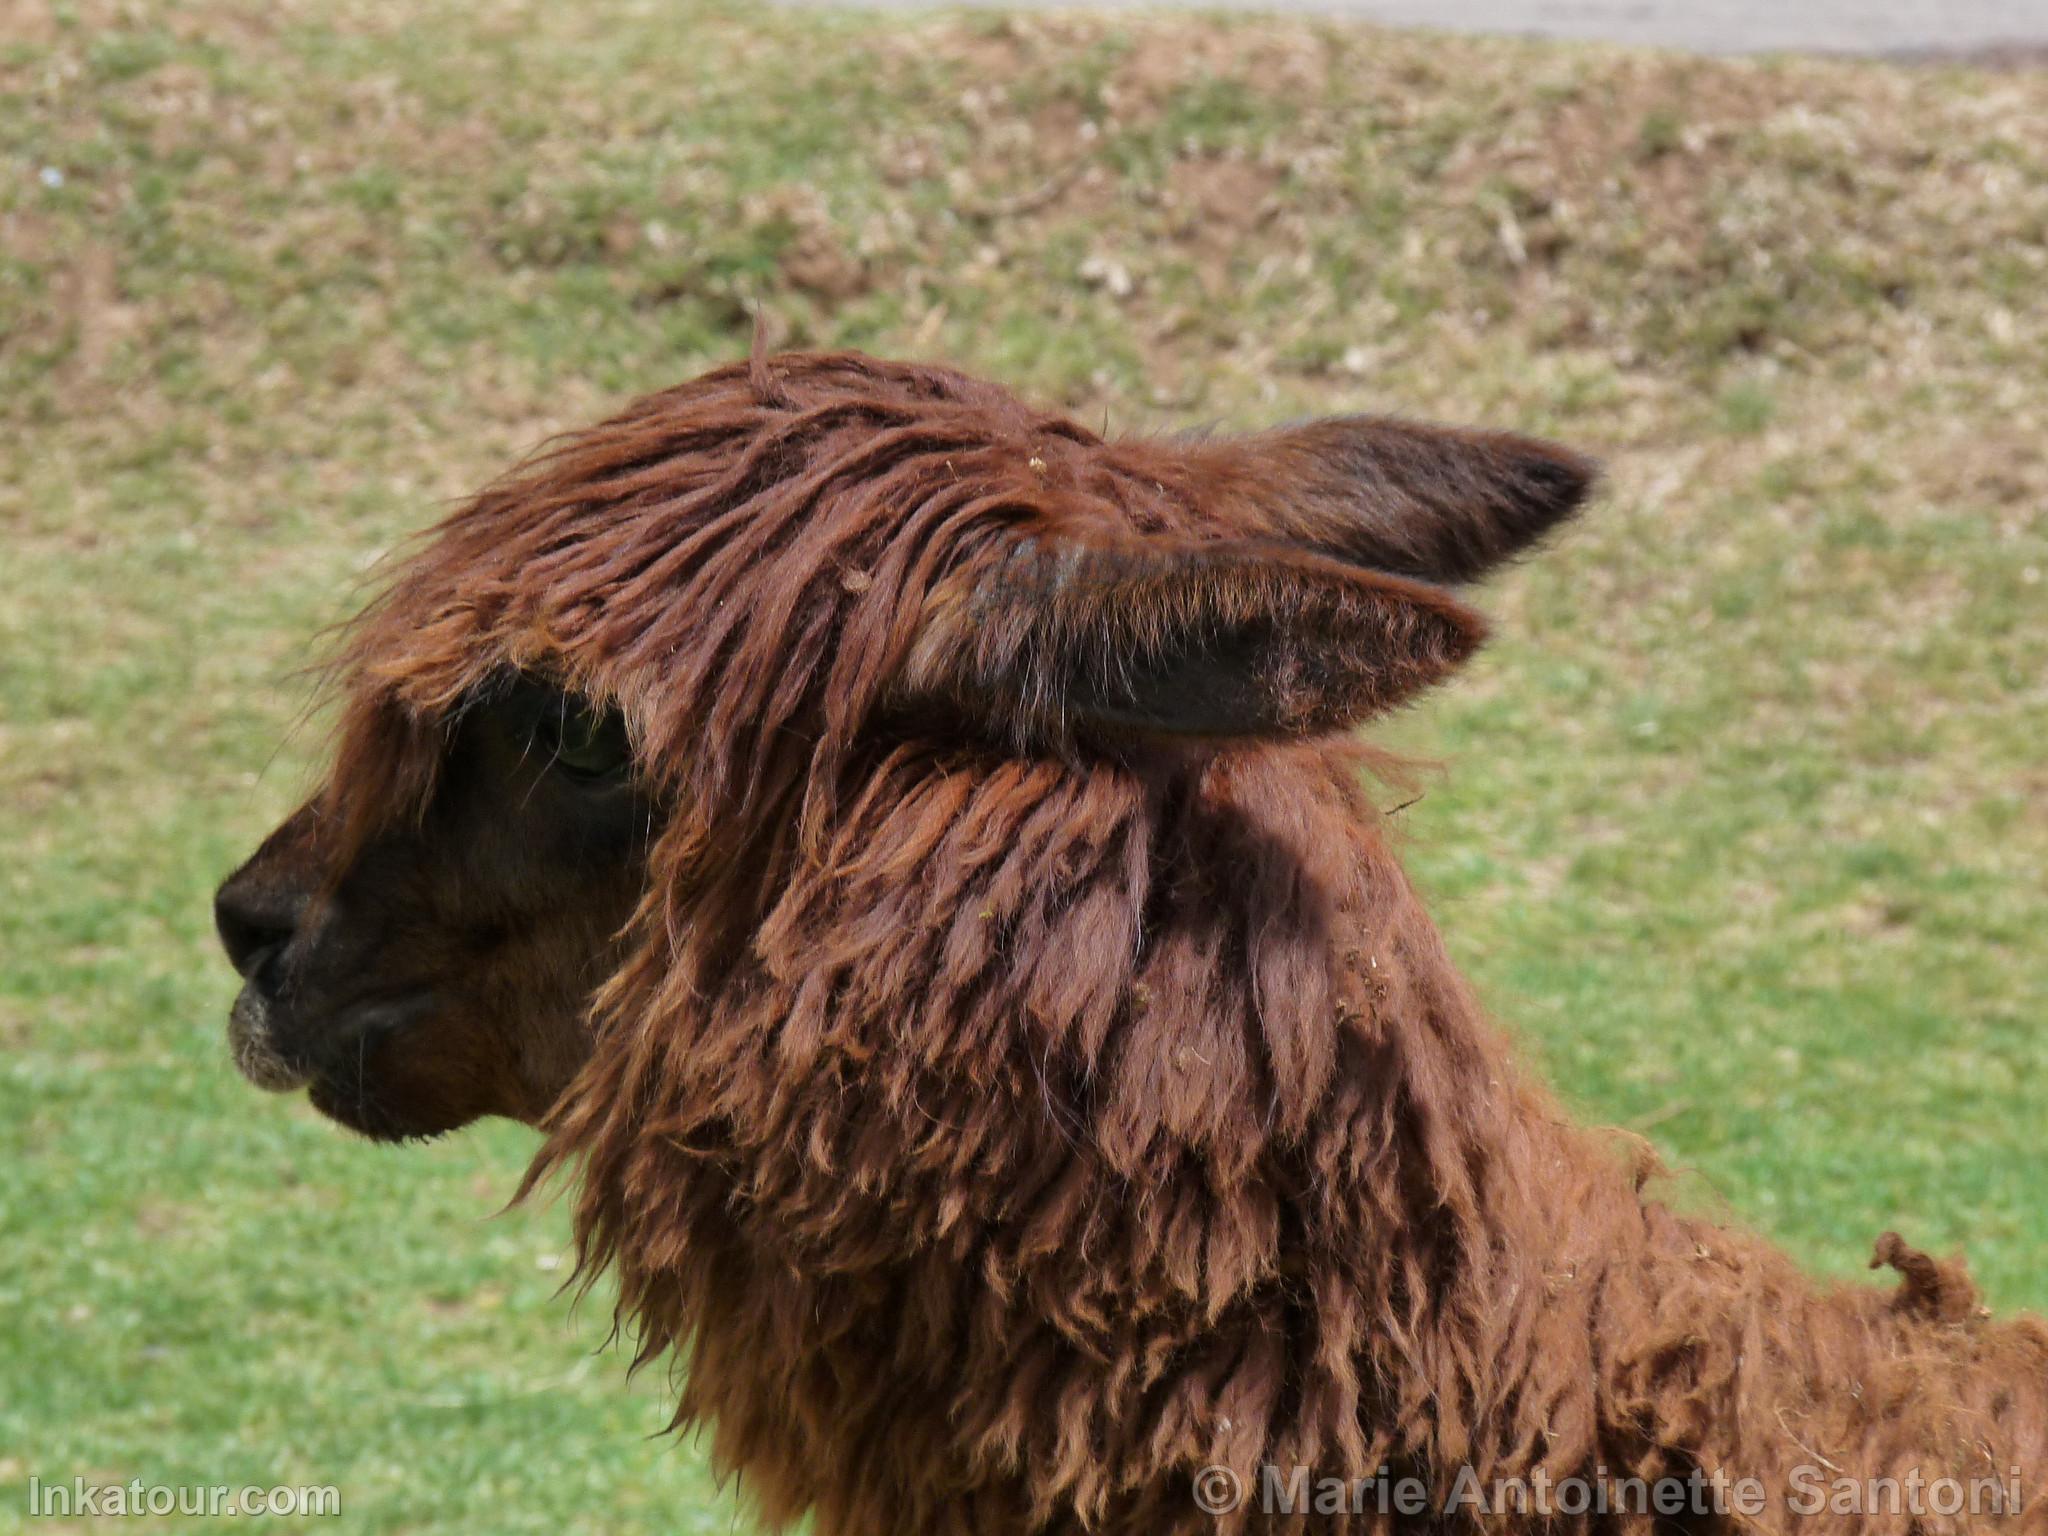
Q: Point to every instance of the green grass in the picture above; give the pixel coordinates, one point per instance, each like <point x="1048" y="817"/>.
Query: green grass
<point x="1743" y="819"/>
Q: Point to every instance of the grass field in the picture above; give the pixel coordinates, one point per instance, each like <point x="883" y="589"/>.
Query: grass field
<point x="1743" y="821"/>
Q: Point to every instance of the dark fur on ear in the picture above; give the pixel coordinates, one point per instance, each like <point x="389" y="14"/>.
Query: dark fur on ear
<point x="1056" y="632"/>
<point x="1442" y="504"/>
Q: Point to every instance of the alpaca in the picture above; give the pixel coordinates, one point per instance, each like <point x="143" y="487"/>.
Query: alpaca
<point x="911" y="857"/>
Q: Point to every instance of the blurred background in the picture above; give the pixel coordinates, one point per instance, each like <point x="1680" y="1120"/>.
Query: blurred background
<point x="1742" y="820"/>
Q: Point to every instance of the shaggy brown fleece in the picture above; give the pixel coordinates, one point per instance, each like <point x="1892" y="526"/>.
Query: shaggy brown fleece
<point x="1023" y="1092"/>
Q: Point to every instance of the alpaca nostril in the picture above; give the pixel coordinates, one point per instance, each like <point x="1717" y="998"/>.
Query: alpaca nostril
<point x="253" y="933"/>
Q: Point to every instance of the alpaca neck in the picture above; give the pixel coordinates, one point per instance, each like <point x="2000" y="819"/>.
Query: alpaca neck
<point x="1155" y="1113"/>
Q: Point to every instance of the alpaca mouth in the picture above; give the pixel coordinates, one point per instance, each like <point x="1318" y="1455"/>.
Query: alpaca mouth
<point x="252" y="1039"/>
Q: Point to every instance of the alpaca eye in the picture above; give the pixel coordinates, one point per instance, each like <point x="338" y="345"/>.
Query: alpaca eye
<point x="583" y="743"/>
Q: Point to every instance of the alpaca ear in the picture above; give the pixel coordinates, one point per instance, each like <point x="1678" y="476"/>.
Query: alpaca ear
<point x="1177" y="637"/>
<point x="1442" y="504"/>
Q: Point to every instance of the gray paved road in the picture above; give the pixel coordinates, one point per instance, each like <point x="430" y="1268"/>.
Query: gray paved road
<point x="1716" y="26"/>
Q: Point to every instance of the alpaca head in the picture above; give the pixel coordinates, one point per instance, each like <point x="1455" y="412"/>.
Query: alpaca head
<point x="617" y="697"/>
<point x="439" y="972"/>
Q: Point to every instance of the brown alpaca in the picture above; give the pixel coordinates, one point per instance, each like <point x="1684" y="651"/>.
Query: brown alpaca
<point x="1011" y="1071"/>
